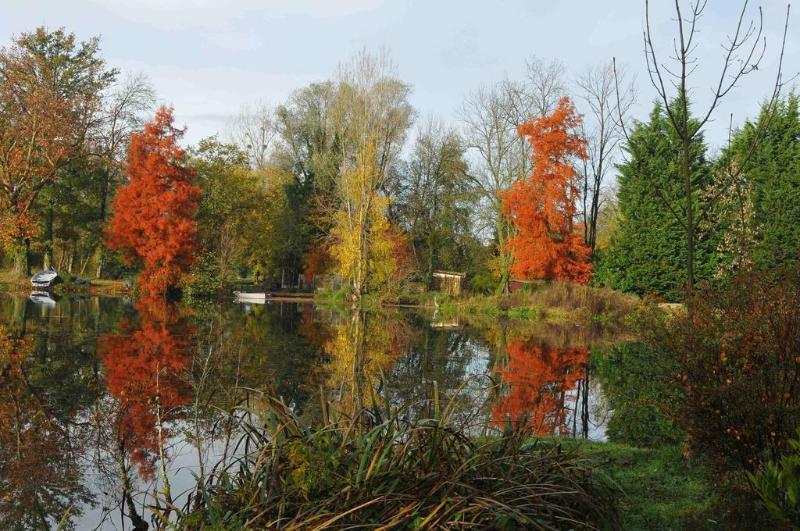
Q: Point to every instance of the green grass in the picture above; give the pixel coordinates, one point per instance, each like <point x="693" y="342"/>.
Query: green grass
<point x="660" y="489"/>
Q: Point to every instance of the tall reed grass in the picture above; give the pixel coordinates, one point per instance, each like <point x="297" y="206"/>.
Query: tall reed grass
<point x="381" y="470"/>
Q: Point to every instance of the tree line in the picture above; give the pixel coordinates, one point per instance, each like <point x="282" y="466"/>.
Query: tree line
<point x="540" y="178"/>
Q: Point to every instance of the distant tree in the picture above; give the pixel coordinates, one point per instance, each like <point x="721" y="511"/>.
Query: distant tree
<point x="365" y="246"/>
<point x="371" y="117"/>
<point x="542" y="207"/>
<point x="254" y="130"/>
<point x="603" y="132"/>
<point x="431" y="200"/>
<point x="154" y="213"/>
<point x="50" y="96"/>
<point x="232" y="192"/>
<point x="277" y="233"/>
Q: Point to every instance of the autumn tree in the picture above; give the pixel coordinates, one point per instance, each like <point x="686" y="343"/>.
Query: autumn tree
<point x="50" y="96"/>
<point x="491" y="117"/>
<point x="371" y="116"/>
<point x="542" y="207"/>
<point x="154" y="213"/>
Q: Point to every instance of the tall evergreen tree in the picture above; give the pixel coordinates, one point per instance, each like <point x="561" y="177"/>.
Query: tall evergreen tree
<point x="648" y="252"/>
<point x="764" y="214"/>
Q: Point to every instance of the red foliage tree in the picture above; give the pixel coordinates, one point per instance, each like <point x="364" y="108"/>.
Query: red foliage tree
<point x="143" y="372"/>
<point x="540" y="381"/>
<point x="548" y="244"/>
<point x="154" y="213"/>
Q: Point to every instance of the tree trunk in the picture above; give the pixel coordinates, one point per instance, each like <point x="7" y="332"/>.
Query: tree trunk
<point x="429" y="271"/>
<point x="48" y="238"/>
<point x="22" y="260"/>
<point x="101" y="260"/>
<point x="689" y="217"/>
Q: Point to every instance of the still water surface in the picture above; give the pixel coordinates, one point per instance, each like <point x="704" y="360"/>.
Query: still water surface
<point x="104" y="403"/>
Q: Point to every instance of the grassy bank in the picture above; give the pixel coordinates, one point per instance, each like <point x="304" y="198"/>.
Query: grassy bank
<point x="555" y="302"/>
<point x="551" y="302"/>
<point x="659" y="488"/>
<point x="9" y="281"/>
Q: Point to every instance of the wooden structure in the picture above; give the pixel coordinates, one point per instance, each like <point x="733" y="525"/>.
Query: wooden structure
<point x="448" y="281"/>
<point x="515" y="284"/>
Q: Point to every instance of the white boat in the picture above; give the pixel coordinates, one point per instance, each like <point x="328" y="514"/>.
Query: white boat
<point x="251" y="298"/>
<point x="44" y="279"/>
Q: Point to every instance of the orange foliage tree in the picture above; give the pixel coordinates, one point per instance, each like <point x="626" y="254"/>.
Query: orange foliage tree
<point x="143" y="372"/>
<point x="548" y="244"/>
<point x="540" y="381"/>
<point x="154" y="213"/>
<point x="51" y="89"/>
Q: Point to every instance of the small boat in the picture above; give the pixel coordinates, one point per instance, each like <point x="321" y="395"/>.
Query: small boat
<point x="42" y="298"/>
<point x="45" y="279"/>
<point x="251" y="298"/>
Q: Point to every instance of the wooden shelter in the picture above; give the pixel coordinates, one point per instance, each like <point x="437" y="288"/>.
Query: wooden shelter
<point x="448" y="281"/>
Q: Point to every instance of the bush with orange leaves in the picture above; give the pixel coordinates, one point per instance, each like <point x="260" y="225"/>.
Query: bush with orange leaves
<point x="739" y="350"/>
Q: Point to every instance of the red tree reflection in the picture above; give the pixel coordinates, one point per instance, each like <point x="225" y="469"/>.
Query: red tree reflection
<point x="143" y="372"/>
<point x="540" y="381"/>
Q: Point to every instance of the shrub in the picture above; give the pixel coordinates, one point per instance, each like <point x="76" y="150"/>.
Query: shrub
<point x="594" y="301"/>
<point x="778" y="485"/>
<point x="739" y="352"/>
<point x="399" y="473"/>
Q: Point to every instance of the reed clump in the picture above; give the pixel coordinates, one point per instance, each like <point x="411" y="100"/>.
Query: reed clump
<point x="379" y="469"/>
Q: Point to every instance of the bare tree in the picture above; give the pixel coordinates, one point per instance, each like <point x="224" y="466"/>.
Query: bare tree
<point x="545" y="84"/>
<point x="603" y="133"/>
<point x="254" y="130"/>
<point x="743" y="52"/>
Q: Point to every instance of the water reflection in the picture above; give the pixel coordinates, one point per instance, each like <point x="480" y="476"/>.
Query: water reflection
<point x="110" y="412"/>
<point x="144" y="368"/>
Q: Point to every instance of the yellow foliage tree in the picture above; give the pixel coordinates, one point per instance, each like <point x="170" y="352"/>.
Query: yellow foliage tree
<point x="363" y="246"/>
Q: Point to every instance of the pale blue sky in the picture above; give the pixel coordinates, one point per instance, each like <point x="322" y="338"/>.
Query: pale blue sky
<point x="210" y="57"/>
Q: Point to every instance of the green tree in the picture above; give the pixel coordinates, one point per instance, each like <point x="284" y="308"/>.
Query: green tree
<point x="232" y="193"/>
<point x="763" y="213"/>
<point x="647" y="253"/>
<point x="432" y="195"/>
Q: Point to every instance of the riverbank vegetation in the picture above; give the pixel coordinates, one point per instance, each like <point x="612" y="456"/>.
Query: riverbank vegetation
<point x="380" y="468"/>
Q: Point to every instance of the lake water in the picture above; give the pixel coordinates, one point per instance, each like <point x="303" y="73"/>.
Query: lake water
<point x="102" y="400"/>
